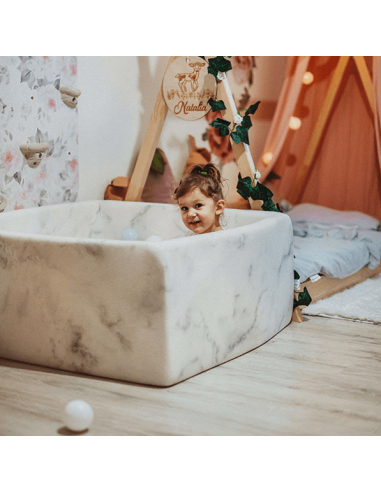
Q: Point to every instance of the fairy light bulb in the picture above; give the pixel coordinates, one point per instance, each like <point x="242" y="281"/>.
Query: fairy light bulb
<point x="267" y="157"/>
<point x="308" y="78"/>
<point x="295" y="123"/>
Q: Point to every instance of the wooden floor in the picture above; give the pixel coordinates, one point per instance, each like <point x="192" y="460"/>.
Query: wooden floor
<point x="319" y="377"/>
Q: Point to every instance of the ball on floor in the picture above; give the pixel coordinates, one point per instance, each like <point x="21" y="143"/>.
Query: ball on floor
<point x="78" y="415"/>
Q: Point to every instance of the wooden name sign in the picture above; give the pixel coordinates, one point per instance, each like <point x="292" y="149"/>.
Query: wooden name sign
<point x="187" y="87"/>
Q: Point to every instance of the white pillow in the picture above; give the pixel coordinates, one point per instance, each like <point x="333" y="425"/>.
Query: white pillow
<point x="324" y="215"/>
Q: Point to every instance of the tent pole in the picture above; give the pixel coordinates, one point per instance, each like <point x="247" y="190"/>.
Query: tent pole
<point x="365" y="79"/>
<point x="147" y="151"/>
<point x="319" y="128"/>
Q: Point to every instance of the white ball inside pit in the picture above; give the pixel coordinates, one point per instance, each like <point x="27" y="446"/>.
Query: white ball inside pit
<point x="78" y="415"/>
<point x="154" y="239"/>
<point x="130" y="235"/>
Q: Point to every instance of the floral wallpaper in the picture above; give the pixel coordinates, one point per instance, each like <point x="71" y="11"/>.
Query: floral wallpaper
<point x="35" y="116"/>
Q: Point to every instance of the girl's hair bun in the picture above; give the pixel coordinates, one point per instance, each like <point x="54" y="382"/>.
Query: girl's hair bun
<point x="206" y="177"/>
<point x="207" y="170"/>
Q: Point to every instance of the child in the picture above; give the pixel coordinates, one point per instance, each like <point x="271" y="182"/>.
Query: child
<point x="200" y="199"/>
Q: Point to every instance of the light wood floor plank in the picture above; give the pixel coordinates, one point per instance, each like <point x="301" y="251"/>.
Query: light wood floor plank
<point x="319" y="377"/>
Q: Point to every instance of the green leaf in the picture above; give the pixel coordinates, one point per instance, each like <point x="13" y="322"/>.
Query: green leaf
<point x="246" y="122"/>
<point x="258" y="192"/>
<point x="244" y="187"/>
<point x="236" y="138"/>
<point x="240" y="135"/>
<point x="219" y="64"/>
<point x="216" y="105"/>
<point x="213" y="71"/>
<point x="222" y="126"/>
<point x="304" y="299"/>
<point x="252" y="109"/>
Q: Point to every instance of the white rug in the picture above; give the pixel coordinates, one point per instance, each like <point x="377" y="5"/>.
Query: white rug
<point x="360" y="303"/>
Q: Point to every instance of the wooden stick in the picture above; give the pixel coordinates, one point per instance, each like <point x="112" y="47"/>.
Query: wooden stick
<point x="147" y="151"/>
<point x="319" y="128"/>
<point x="241" y="151"/>
<point x="297" y="315"/>
<point x="365" y="79"/>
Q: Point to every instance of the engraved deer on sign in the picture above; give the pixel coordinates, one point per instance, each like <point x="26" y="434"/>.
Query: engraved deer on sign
<point x="191" y="77"/>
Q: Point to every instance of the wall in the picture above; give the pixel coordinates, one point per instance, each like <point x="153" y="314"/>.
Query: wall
<point x="118" y="95"/>
<point x="32" y="111"/>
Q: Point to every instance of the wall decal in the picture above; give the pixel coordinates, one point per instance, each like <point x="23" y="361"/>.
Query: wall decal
<point x="70" y="96"/>
<point x="34" y="153"/>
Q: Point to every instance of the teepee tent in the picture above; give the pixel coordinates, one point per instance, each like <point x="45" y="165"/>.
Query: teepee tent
<point x="325" y="142"/>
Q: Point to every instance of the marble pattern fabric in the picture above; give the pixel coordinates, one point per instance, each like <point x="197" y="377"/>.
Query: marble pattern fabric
<point x="74" y="296"/>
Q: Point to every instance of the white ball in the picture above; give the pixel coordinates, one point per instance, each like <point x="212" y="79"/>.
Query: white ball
<point x="130" y="235"/>
<point x="154" y="239"/>
<point x="78" y="415"/>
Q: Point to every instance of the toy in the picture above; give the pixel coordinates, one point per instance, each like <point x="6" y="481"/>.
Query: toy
<point x="130" y="235"/>
<point x="78" y="415"/>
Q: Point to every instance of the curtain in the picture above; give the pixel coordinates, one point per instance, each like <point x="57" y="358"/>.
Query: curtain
<point x="296" y="67"/>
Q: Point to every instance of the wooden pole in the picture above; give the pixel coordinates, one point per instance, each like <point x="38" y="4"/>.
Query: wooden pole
<point x="365" y="79"/>
<point x="149" y="145"/>
<point x="241" y="151"/>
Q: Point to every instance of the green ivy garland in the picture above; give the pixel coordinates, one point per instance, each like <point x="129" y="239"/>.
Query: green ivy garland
<point x="258" y="192"/>
<point x="218" y="66"/>
<point x="304" y="299"/>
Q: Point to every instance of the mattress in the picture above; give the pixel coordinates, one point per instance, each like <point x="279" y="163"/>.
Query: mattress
<point x="333" y="243"/>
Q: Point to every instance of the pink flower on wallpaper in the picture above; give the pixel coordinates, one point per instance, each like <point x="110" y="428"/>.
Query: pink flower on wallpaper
<point x="48" y="98"/>
<point x="75" y="182"/>
<point x="10" y="160"/>
<point x="18" y="205"/>
<point x="51" y="103"/>
<point x="241" y="68"/>
<point x="73" y="67"/>
<point x="73" y="164"/>
<point x="41" y="176"/>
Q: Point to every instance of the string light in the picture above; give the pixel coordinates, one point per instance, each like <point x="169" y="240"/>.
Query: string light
<point x="295" y="123"/>
<point x="308" y="78"/>
<point x="267" y="157"/>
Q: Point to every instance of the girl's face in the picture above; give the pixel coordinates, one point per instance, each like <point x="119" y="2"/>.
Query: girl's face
<point x="200" y="213"/>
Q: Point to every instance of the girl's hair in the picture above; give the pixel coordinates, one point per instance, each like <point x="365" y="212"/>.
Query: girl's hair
<point x="206" y="177"/>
